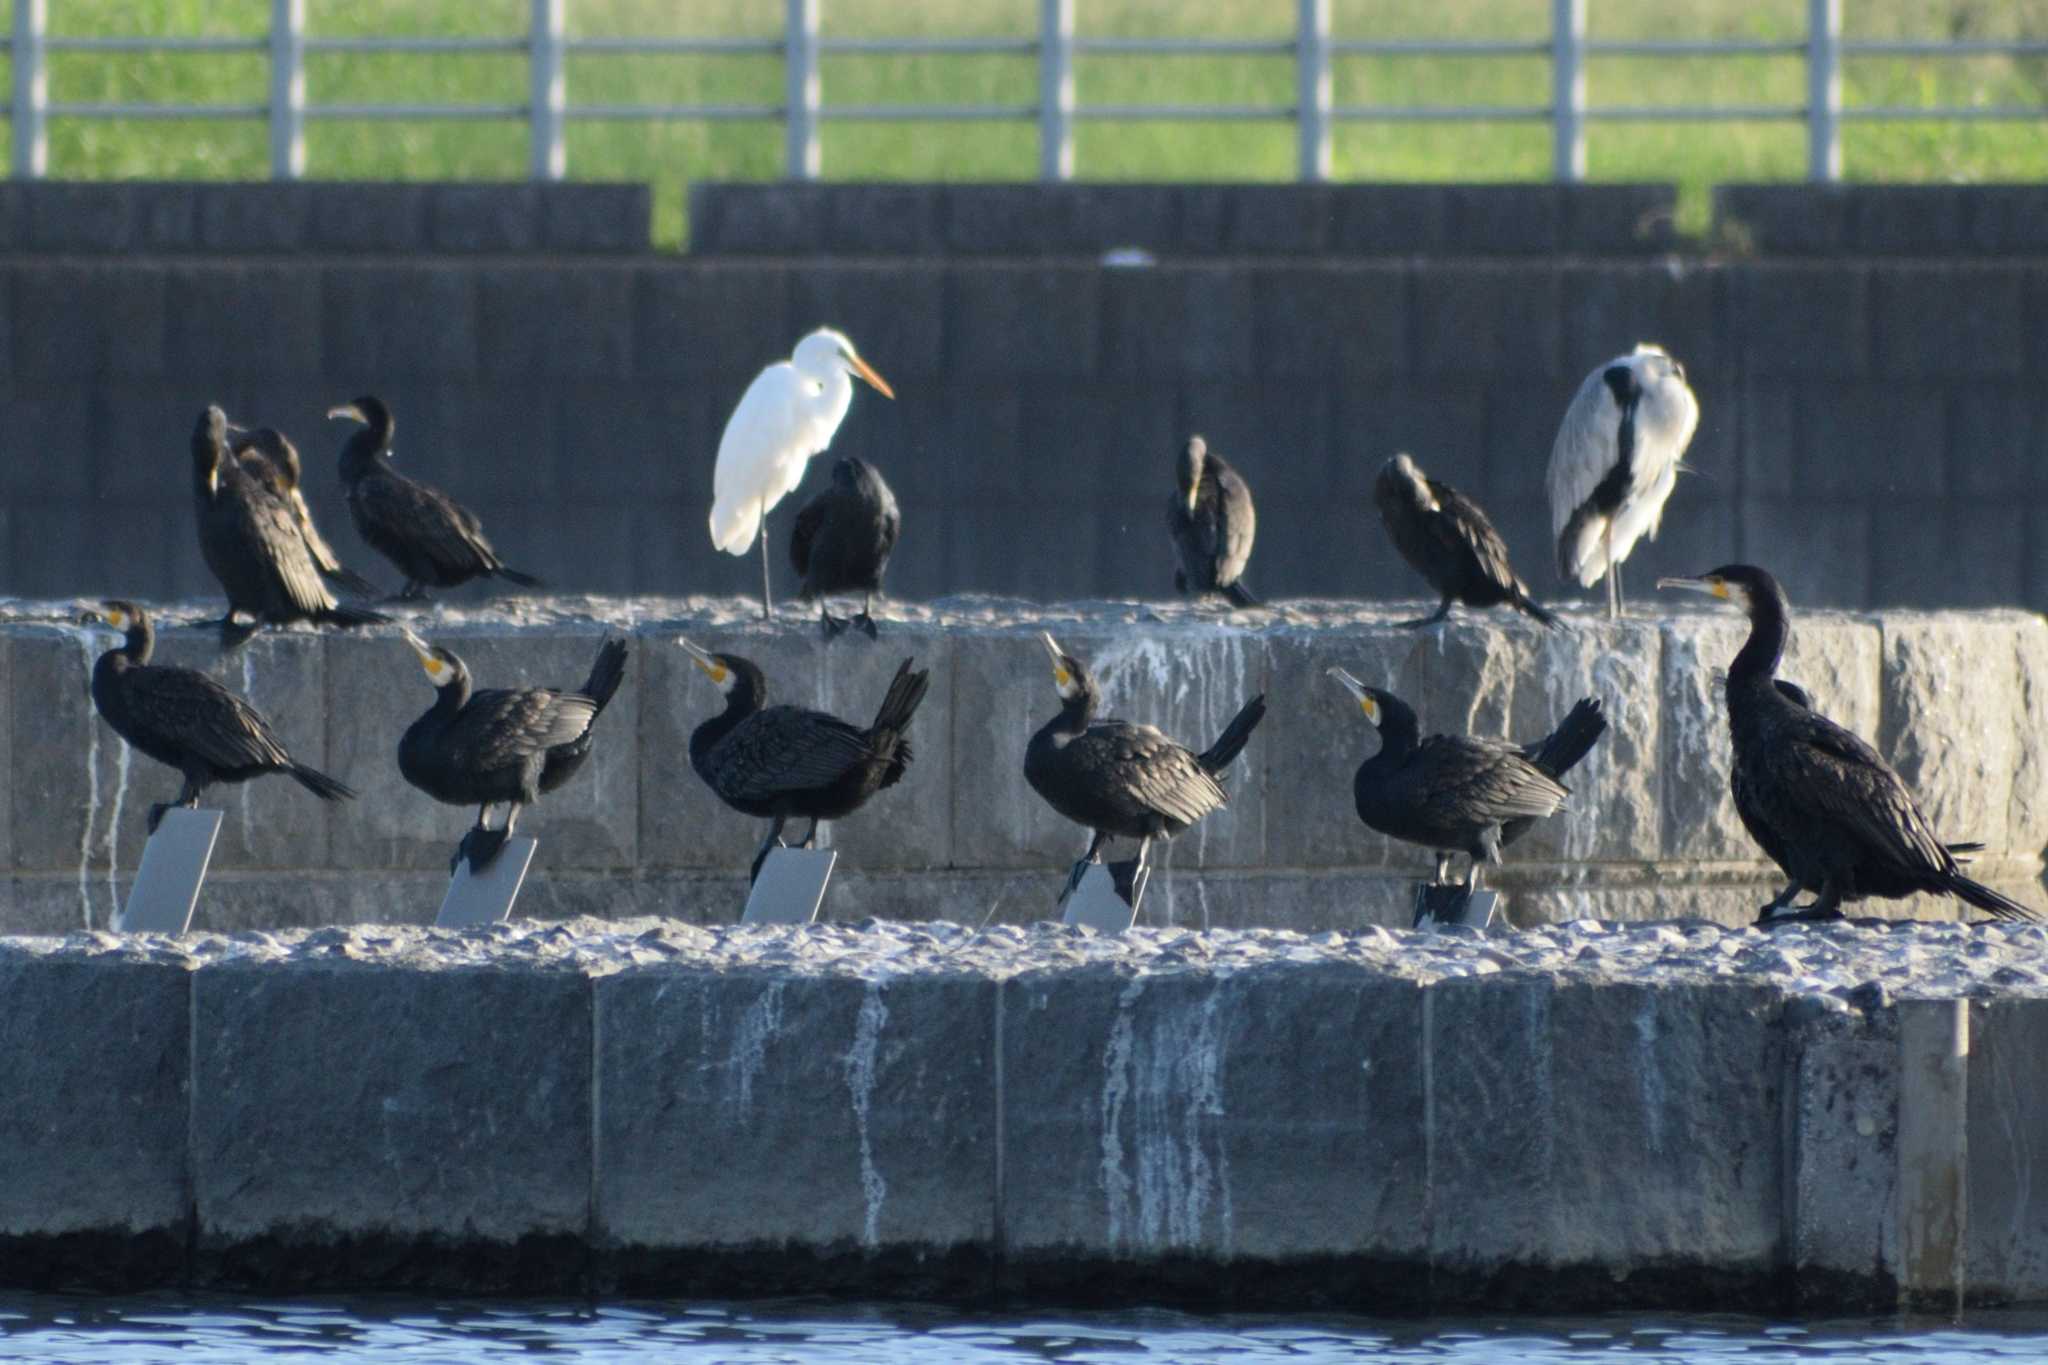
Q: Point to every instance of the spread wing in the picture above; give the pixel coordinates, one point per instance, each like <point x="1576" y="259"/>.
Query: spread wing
<point x="196" y="713"/>
<point x="786" y="749"/>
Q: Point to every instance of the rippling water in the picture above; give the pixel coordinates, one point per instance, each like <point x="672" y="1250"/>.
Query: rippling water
<point x="143" y="1328"/>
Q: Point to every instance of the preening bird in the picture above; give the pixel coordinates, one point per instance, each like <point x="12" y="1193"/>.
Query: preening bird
<point x="843" y="539"/>
<point x="1458" y="794"/>
<point x="782" y="761"/>
<point x="1818" y="800"/>
<point x="182" y="717"/>
<point x="788" y="414"/>
<point x="1213" y="523"/>
<point x="1447" y="538"/>
<point x="250" y="537"/>
<point x="268" y="455"/>
<point x="1119" y="778"/>
<point x="500" y="746"/>
<point x="1615" y="462"/>
<point x="434" y="541"/>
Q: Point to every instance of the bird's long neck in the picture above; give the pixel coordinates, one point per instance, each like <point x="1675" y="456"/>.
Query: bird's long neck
<point x="139" y="643"/>
<point x="451" y="696"/>
<point x="209" y="458"/>
<point x="744" y="700"/>
<point x="1076" y="711"/>
<point x="1399" y="734"/>
<point x="364" y="449"/>
<point x="1770" y="626"/>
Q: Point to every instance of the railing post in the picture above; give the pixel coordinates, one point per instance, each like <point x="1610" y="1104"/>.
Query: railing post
<point x="1568" y="89"/>
<point x="1056" y="90"/>
<point x="800" y="64"/>
<point x="1313" y="90"/>
<point x="1824" y="90"/>
<point x="550" y="95"/>
<point x="31" y="90"/>
<point x="287" y="89"/>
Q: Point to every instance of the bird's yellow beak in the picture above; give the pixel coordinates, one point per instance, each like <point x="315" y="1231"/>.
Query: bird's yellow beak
<point x="1356" y="688"/>
<point x="1194" y="491"/>
<point x="707" y="661"/>
<point x="867" y="372"/>
<point x="1712" y="587"/>
<point x="348" y="410"/>
<point x="437" y="671"/>
<point x="113" y="616"/>
<point x="1061" y="678"/>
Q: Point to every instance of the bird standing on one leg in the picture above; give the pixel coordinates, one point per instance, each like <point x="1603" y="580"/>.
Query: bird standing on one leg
<point x="1213" y="525"/>
<point x="842" y="541"/>
<point x="788" y="414"/>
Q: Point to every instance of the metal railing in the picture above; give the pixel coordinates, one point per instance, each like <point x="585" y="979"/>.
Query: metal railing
<point x="1314" y="110"/>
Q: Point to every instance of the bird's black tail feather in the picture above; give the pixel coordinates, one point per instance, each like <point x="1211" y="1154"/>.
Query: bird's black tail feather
<point x="1529" y="607"/>
<point x="906" y="691"/>
<point x="1235" y="736"/>
<point x="343" y="614"/>
<point x="1241" y="596"/>
<point x="1571" y="741"/>
<point x="524" y="580"/>
<point x="606" y="674"/>
<point x="1984" y="898"/>
<point x="320" y="784"/>
<point x="349" y="581"/>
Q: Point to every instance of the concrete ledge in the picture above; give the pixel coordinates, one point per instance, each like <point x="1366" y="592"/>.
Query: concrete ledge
<point x="1884" y="220"/>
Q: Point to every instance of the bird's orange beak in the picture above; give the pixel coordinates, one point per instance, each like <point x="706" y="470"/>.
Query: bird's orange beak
<point x="867" y="372"/>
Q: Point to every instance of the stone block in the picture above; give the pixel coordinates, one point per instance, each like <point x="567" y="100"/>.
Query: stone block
<point x="2027" y="815"/>
<point x="1887" y="437"/>
<point x="73" y="216"/>
<point x="1197" y="1147"/>
<point x="780" y="219"/>
<point x="1951" y="695"/>
<point x="1291" y="220"/>
<point x="2007" y="1226"/>
<point x="553" y="322"/>
<point x="370" y="219"/>
<point x="1613" y="220"/>
<point x="96" y="1151"/>
<point x="415" y="320"/>
<point x="727" y="1125"/>
<point x="1975" y="550"/>
<point x="1388" y="220"/>
<point x="1521" y="421"/>
<point x="445" y="1107"/>
<point x="1844" y="1186"/>
<point x="1190" y="685"/>
<point x="1611" y="306"/>
<point x="1821" y="554"/>
<point x="1835" y="658"/>
<point x="1802" y="321"/>
<point x="885" y="220"/>
<point x="88" y="322"/>
<point x="2009" y="219"/>
<point x="891" y="311"/>
<point x="1503" y="220"/>
<point x="1488" y="319"/>
<point x="48" y="449"/>
<point x="164" y="216"/>
<point x="729" y="319"/>
<point x="375" y="690"/>
<point x="1177" y="321"/>
<point x="1992" y="443"/>
<point x="1783" y="220"/>
<point x="596" y="217"/>
<point x="259" y="218"/>
<point x="1346" y="322"/>
<point x="232" y="322"/>
<point x="1771" y="417"/>
<point x="484" y="218"/>
<point x="1027" y="320"/>
<point x="1907" y="220"/>
<point x="1949" y="320"/>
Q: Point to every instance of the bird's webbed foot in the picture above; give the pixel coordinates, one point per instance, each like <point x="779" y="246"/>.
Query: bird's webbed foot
<point x="481" y="847"/>
<point x="832" y="626"/>
<point x="865" y="624"/>
<point x="1819" y="912"/>
<point x="234" y="634"/>
<point x="413" y="591"/>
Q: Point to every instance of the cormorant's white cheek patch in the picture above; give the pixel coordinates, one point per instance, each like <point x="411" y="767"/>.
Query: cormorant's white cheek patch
<point x="1371" y="709"/>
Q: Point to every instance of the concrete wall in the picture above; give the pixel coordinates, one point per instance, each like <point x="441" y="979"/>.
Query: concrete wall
<point x="351" y="1113"/>
<point x="1959" y="702"/>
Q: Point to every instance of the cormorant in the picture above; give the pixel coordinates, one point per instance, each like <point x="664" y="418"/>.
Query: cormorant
<point x="1818" y="800"/>
<point x="784" y="761"/>
<point x="500" y="745"/>
<point x="432" y="539"/>
<point x="1213" y="524"/>
<point x="251" y="539"/>
<point x="1120" y="778"/>
<point x="1447" y="538"/>
<point x="1615" y="463"/>
<point x="1458" y="794"/>
<point x="842" y="541"/>
<point x="269" y="455"/>
<point x="182" y="717"/>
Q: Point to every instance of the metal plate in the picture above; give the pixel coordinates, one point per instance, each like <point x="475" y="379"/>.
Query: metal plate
<point x="1453" y="904"/>
<point x="791" y="886"/>
<point x="487" y="898"/>
<point x="1094" y="900"/>
<point x="173" y="866"/>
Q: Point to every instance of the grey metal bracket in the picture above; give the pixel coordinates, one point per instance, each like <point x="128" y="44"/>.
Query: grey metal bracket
<point x="486" y="897"/>
<point x="1104" y="896"/>
<point x="1448" y="903"/>
<point x="173" y="867"/>
<point x="790" y="887"/>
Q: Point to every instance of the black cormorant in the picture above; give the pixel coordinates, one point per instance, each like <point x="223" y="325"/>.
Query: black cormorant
<point x="269" y="455"/>
<point x="1213" y="524"/>
<point x="1447" y="538"/>
<point x="182" y="717"/>
<point x="782" y="761"/>
<point x="1458" y="794"/>
<point x="1818" y="800"/>
<point x="842" y="541"/>
<point x="251" y="539"/>
<point x="1120" y="778"/>
<point x="432" y="539"/>
<point x="501" y="745"/>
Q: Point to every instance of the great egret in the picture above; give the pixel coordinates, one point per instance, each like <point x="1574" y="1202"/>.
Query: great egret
<point x="1816" y="798"/>
<point x="1447" y="538"/>
<point x="1213" y="524"/>
<point x="788" y="414"/>
<point x="843" y="539"/>
<point x="1615" y="462"/>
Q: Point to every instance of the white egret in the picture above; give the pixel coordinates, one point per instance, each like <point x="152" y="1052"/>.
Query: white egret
<point x="1615" y="462"/>
<point x="788" y="414"/>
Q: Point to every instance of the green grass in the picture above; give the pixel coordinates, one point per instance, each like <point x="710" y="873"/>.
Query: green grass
<point x="1696" y="156"/>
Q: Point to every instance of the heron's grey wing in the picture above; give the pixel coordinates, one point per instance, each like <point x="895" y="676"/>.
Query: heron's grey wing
<point x="1585" y="449"/>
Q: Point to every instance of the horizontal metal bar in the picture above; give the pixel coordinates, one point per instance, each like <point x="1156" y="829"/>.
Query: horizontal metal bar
<point x="1447" y="113"/>
<point x="1184" y="47"/>
<point x="930" y="47"/>
<point x="422" y="113"/>
<point x="926" y="113"/>
<point x="1187" y="113"/>
<point x="1431" y="47"/>
<point x="1989" y="113"/>
<point x="452" y="46"/>
<point x="1959" y="48"/>
<point x="1695" y="113"/>
<point x="165" y="45"/>
<point x="703" y="47"/>
<point x="709" y="113"/>
<point x="1598" y="48"/>
<point x="157" y="111"/>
